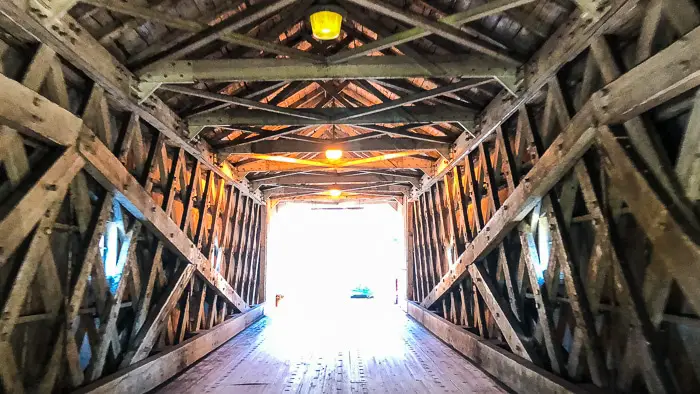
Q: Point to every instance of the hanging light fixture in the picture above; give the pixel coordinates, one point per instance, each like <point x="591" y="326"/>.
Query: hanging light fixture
<point x="335" y="193"/>
<point x="333" y="153"/>
<point x="326" y="21"/>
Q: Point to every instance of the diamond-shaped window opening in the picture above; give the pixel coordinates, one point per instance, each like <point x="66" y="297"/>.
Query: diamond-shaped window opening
<point x="113" y="243"/>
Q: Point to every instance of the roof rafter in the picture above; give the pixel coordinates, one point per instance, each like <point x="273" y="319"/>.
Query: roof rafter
<point x="442" y="29"/>
<point x="196" y="27"/>
<point x="470" y="15"/>
<point x="414" y="98"/>
<point x="220" y="30"/>
<point x="240" y="101"/>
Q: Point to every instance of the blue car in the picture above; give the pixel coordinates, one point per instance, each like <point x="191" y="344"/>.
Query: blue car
<point x="362" y="292"/>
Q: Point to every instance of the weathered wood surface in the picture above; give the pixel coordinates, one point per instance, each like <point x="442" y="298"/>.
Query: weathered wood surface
<point x="516" y="373"/>
<point x="92" y="217"/>
<point x="152" y="372"/>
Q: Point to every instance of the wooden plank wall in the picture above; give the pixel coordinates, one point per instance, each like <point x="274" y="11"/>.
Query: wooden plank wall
<point x="115" y="244"/>
<point x="569" y="237"/>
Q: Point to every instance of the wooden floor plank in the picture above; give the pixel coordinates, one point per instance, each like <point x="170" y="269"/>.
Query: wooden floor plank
<point x="362" y="347"/>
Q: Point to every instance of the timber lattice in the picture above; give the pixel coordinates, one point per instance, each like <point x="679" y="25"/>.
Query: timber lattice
<point x="551" y="208"/>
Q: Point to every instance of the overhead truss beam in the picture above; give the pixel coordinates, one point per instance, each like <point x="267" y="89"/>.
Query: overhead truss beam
<point x="413" y="115"/>
<point x="374" y="67"/>
<point x="331" y="179"/>
<point x="381" y="144"/>
<point x="307" y="165"/>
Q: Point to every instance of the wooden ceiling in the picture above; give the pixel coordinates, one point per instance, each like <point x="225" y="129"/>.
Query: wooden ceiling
<point x="405" y="80"/>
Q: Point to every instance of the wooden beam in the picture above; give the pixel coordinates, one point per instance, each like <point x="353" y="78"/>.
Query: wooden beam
<point x="32" y="114"/>
<point x="330" y="179"/>
<point x="416" y="97"/>
<point x="150" y="373"/>
<point x="28" y="211"/>
<point x="146" y="337"/>
<point x="661" y="225"/>
<point x="78" y="47"/>
<point x="112" y="175"/>
<point x="572" y="38"/>
<point x="370" y="67"/>
<point x="680" y="63"/>
<point x="676" y="60"/>
<point x="221" y="30"/>
<point x="445" y="30"/>
<point x="383" y="144"/>
<point x="553" y="165"/>
<point x="155" y="16"/>
<point x="393" y="164"/>
<point x="471" y="15"/>
<point x="688" y="164"/>
<point x="242" y="102"/>
<point x="402" y="131"/>
<point x="515" y="372"/>
<point x="302" y="190"/>
<point x="422" y="114"/>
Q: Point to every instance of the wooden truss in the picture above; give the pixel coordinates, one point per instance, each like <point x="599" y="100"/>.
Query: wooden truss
<point x="551" y="204"/>
<point x="526" y="241"/>
<point x="149" y="246"/>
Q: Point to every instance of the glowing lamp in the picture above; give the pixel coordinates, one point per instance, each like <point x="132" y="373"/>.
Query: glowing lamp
<point x="325" y="22"/>
<point x="334" y="154"/>
<point x="335" y="193"/>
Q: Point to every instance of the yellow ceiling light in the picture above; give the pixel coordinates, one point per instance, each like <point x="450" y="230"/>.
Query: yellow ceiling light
<point x="335" y="193"/>
<point x="325" y="22"/>
<point x="334" y="154"/>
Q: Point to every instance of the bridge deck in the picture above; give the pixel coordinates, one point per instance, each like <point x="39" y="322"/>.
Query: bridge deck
<point x="362" y="347"/>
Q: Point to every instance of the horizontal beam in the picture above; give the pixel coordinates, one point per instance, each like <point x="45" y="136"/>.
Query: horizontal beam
<point x="381" y="144"/>
<point x="371" y="67"/>
<point x="360" y="199"/>
<point x="392" y="164"/>
<point x="348" y="190"/>
<point x="330" y="179"/>
<point x="423" y="114"/>
<point x="145" y="376"/>
<point x="518" y="374"/>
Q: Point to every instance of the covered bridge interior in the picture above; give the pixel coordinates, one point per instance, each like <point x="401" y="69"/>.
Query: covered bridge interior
<point x="545" y="155"/>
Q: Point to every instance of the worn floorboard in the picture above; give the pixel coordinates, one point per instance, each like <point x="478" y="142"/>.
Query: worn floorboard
<point x="362" y="347"/>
